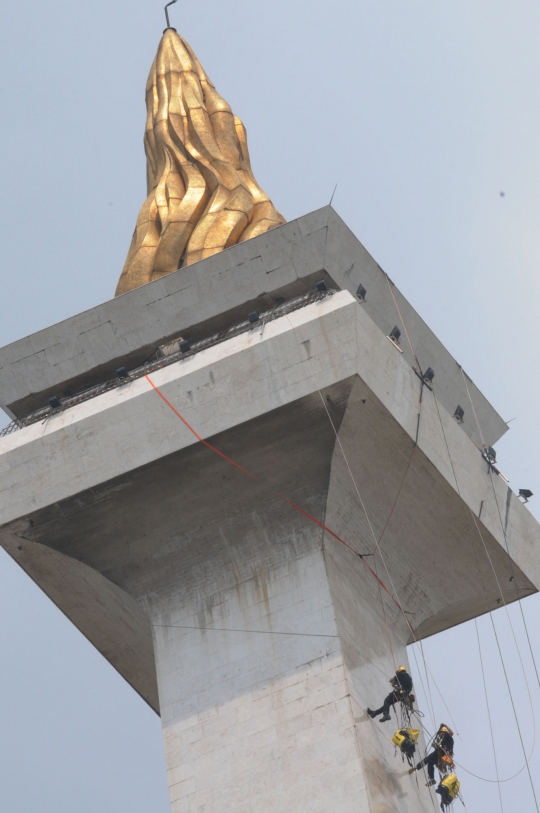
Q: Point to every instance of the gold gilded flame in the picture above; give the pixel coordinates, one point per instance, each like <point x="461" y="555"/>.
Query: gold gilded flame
<point x="202" y="194"/>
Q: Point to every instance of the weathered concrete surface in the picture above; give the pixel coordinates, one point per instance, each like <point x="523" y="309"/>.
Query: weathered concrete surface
<point x="222" y="571"/>
<point x="218" y="292"/>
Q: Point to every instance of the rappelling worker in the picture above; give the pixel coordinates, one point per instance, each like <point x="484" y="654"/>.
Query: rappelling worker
<point x="401" y="693"/>
<point x="443" y="751"/>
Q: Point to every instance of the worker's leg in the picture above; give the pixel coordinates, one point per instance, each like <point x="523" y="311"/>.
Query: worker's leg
<point x="385" y="708"/>
<point x="389" y="701"/>
<point x="431" y="761"/>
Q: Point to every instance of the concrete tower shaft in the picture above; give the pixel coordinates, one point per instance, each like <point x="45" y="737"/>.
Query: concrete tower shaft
<point x="258" y="636"/>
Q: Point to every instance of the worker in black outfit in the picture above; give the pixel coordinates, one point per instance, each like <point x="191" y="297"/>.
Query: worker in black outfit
<point x="401" y="690"/>
<point x="443" y="746"/>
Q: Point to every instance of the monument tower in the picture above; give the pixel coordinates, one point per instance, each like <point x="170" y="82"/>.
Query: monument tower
<point x="253" y="478"/>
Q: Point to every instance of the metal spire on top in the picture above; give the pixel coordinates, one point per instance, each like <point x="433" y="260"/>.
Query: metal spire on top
<point x="167" y="13"/>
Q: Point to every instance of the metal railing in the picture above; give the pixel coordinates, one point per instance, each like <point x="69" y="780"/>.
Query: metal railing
<point x="162" y="357"/>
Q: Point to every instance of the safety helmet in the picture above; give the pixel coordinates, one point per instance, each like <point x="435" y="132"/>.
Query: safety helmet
<point x="401" y="669"/>
<point x="443" y="728"/>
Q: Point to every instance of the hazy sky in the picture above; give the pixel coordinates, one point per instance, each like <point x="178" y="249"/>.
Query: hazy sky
<point x="423" y="113"/>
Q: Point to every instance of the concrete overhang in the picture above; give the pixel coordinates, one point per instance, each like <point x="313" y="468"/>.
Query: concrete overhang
<point x="125" y="462"/>
<point x="214" y="294"/>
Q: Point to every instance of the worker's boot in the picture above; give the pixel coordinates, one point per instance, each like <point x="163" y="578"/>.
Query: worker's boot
<point x="412" y="770"/>
<point x="430" y="783"/>
<point x="384" y="718"/>
<point x="371" y="713"/>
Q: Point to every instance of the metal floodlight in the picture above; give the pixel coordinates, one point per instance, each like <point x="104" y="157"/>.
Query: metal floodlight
<point x="361" y="293"/>
<point x="121" y="372"/>
<point x="185" y="346"/>
<point x="525" y="494"/>
<point x="492" y="454"/>
<point x="253" y="317"/>
<point x="394" y="335"/>
<point x="321" y="285"/>
<point x="459" y="414"/>
<point x="54" y="402"/>
<point x="429" y="375"/>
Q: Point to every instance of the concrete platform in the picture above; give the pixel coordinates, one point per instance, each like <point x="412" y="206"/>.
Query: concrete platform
<point x="258" y="636"/>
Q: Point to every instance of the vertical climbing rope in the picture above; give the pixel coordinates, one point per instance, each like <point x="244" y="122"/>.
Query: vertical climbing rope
<point x="368" y="522"/>
<point x="519" y="598"/>
<point x="378" y="543"/>
<point x="426" y="694"/>
<point x="514" y="709"/>
<point x="514" y="580"/>
<point x="482" y="539"/>
<point x="489" y="715"/>
<point x="527" y="759"/>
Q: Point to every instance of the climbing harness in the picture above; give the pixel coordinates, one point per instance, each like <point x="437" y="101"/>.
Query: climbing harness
<point x="445" y="763"/>
<point x="405" y="699"/>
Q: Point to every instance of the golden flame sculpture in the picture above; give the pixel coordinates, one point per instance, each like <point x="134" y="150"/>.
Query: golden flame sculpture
<point x="202" y="195"/>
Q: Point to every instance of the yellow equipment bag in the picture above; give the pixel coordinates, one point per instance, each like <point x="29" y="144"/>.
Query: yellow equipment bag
<point x="449" y="789"/>
<point x="411" y="733"/>
<point x="405" y="739"/>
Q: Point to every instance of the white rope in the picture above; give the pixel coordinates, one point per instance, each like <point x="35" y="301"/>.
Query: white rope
<point x="378" y="550"/>
<point x="527" y="759"/>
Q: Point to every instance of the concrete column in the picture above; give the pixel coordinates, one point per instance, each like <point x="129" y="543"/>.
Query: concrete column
<point x="271" y="637"/>
<point x="273" y="719"/>
<point x="259" y="721"/>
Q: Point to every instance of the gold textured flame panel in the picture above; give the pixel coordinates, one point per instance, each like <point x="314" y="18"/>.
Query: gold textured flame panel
<point x="202" y="195"/>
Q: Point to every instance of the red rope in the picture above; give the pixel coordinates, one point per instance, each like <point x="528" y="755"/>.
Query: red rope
<point x="281" y="496"/>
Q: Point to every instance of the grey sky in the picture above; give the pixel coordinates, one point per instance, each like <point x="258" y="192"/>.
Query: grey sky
<point x="422" y="113"/>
